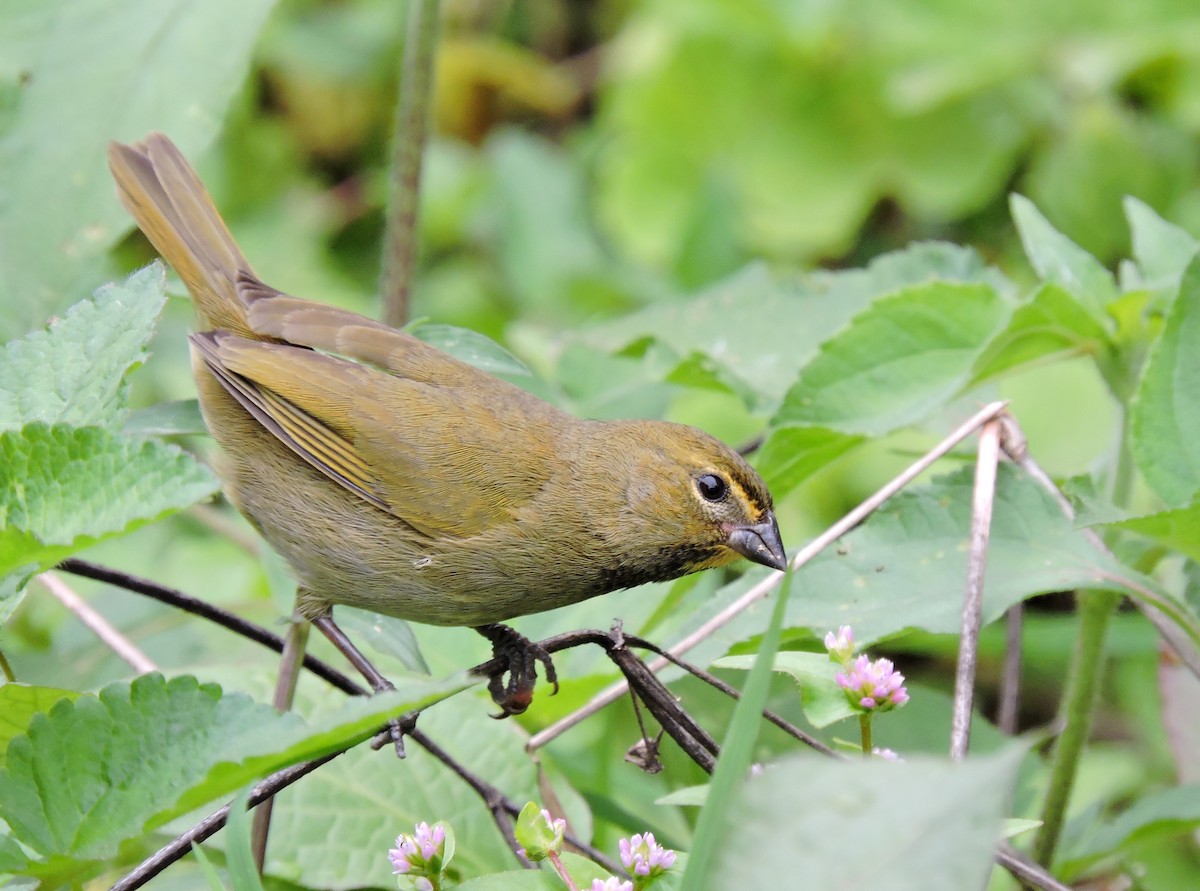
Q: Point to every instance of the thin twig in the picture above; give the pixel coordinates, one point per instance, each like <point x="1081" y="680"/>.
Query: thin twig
<point x="408" y="145"/>
<point x="210" y="825"/>
<point x="97" y="624"/>
<point x="1010" y="679"/>
<point x="771" y="582"/>
<point x="732" y="692"/>
<point x="972" y="614"/>
<point x="205" y="610"/>
<point x="1026" y="871"/>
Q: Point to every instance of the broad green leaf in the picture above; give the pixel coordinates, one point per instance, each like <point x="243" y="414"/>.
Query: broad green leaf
<point x="385" y="633"/>
<point x="103" y="71"/>
<point x="926" y="824"/>
<point x="1057" y="259"/>
<point x="1053" y="324"/>
<point x="823" y="701"/>
<point x="1103" y="152"/>
<point x="73" y="372"/>
<point x="541" y="220"/>
<point x="790" y="455"/>
<point x="1166" y="409"/>
<point x="99" y="770"/>
<point x="180" y="418"/>
<point x="897" y="361"/>
<point x="1169" y="812"/>
<point x="752" y="332"/>
<point x="1161" y="249"/>
<point x="470" y="346"/>
<point x="1178" y="529"/>
<point x="63" y="488"/>
<point x="333" y="830"/>
<point x="19" y="703"/>
<point x="905" y="567"/>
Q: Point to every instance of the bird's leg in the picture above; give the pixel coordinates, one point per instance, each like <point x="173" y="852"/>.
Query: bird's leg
<point x="521" y="657"/>
<point x="397" y="726"/>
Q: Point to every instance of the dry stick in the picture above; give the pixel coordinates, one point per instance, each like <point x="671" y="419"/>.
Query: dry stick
<point x="1016" y="447"/>
<point x="205" y="610"/>
<point x="1026" y="871"/>
<point x="1010" y="679"/>
<point x="972" y="614"/>
<point x="772" y="581"/>
<point x="285" y="695"/>
<point x="210" y="825"/>
<point x="733" y="693"/>
<point x="408" y="145"/>
<point x="97" y="624"/>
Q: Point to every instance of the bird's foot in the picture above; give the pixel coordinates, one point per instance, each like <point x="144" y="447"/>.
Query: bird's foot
<point x="520" y="657"/>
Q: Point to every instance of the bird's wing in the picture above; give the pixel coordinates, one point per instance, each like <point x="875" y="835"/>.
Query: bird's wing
<point x="426" y="454"/>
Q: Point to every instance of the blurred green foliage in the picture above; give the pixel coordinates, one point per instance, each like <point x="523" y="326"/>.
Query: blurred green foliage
<point x="719" y="211"/>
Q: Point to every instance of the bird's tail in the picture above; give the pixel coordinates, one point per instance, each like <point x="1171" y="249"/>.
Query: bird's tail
<point x="161" y="190"/>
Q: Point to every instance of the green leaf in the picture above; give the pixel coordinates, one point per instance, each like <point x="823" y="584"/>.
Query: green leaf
<point x="100" y="72"/>
<point x="470" y="346"/>
<point x="1053" y="324"/>
<point x="823" y="701"/>
<point x="905" y="567"/>
<point x="333" y="830"/>
<point x="790" y="455"/>
<point x="780" y="322"/>
<point x="1178" y="529"/>
<point x="1162" y="250"/>
<point x="1057" y="259"/>
<point x="63" y="488"/>
<point x="1168" y="812"/>
<point x="737" y="749"/>
<point x="99" y="770"/>
<point x="386" y="634"/>
<point x="179" y="418"/>
<point x="898" y="360"/>
<point x="933" y="824"/>
<point x="19" y="703"/>
<point x="74" y="371"/>
<point x="1165" y="423"/>
<point x="243" y="873"/>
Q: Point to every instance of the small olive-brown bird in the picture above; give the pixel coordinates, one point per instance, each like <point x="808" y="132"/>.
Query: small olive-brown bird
<point x="396" y="478"/>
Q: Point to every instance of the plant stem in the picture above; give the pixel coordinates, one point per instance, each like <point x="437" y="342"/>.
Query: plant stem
<point x="864" y="724"/>
<point x="408" y="146"/>
<point x="1095" y="611"/>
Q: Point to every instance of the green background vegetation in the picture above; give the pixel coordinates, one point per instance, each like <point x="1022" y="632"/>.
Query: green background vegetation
<point x="714" y="211"/>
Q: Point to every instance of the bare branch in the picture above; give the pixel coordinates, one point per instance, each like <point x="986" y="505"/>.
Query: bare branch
<point x="972" y="614"/>
<point x="97" y="624"/>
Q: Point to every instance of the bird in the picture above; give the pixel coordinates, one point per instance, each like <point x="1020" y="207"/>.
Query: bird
<point x="394" y="477"/>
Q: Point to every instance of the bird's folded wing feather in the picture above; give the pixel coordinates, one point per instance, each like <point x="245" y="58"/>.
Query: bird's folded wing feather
<point x="425" y="454"/>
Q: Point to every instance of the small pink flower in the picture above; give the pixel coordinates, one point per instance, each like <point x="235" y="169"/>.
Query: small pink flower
<point x="611" y="884"/>
<point x="873" y="686"/>
<point x="840" y="645"/>
<point x="885" y="754"/>
<point x="643" y="856"/>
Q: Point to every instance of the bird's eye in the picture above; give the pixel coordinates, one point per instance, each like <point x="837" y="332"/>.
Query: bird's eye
<point x="711" y="487"/>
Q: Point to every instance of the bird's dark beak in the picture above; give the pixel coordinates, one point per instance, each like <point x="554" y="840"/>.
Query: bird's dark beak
<point x="759" y="542"/>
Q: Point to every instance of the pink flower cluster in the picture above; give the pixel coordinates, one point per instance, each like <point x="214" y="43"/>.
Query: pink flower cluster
<point x="873" y="686"/>
<point x="611" y="884"/>
<point x="421" y="855"/>
<point x="643" y="856"/>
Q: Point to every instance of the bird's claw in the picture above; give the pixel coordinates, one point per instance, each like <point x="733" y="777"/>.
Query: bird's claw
<point x="520" y="657"/>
